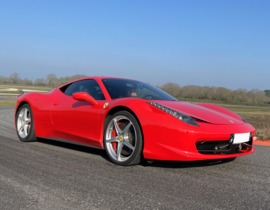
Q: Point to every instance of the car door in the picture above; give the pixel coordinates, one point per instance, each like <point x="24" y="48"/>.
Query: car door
<point x="78" y="120"/>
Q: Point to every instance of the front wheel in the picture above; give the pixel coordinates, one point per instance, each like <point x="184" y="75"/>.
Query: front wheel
<point x="123" y="139"/>
<point x="25" y="123"/>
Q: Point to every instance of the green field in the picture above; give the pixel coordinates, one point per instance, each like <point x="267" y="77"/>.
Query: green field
<point x="258" y="116"/>
<point x="7" y="102"/>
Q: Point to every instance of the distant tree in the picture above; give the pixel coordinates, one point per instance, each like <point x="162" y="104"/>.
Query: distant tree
<point x="27" y="82"/>
<point x="267" y="93"/>
<point x="77" y="76"/>
<point x="40" y="82"/>
<point x="63" y="80"/>
<point x="4" y="80"/>
<point x="14" y="78"/>
<point x="217" y="94"/>
<point x="52" y="80"/>
<point x="190" y="91"/>
<point x="223" y="94"/>
<point x="173" y="89"/>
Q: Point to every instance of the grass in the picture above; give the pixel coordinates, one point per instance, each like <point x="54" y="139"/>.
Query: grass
<point x="8" y="100"/>
<point x="258" y="116"/>
<point x="20" y="87"/>
<point x="7" y="103"/>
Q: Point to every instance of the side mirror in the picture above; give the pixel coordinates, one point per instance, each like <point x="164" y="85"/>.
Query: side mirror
<point x="83" y="96"/>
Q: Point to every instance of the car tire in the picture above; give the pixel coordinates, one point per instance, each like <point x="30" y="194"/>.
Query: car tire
<point x="25" y="124"/>
<point x="123" y="139"/>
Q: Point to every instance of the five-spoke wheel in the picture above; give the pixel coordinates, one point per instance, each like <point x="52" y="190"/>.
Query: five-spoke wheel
<point x="123" y="138"/>
<point x="25" y="124"/>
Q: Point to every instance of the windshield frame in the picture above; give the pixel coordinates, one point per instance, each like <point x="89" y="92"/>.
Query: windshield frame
<point x="123" y="88"/>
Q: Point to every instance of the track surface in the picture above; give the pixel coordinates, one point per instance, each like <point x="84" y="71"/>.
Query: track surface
<point x="53" y="175"/>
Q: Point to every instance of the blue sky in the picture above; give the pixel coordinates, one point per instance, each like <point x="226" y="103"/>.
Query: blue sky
<point x="200" y="42"/>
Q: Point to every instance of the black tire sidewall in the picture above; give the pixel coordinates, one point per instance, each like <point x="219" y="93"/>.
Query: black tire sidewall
<point x="137" y="154"/>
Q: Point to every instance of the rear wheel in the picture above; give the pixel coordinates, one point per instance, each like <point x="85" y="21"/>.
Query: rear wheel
<point x="123" y="139"/>
<point x="25" y="124"/>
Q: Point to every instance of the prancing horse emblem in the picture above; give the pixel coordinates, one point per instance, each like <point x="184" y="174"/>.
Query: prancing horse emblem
<point x="105" y="105"/>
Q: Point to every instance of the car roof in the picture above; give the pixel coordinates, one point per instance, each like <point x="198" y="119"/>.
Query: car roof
<point x="93" y="77"/>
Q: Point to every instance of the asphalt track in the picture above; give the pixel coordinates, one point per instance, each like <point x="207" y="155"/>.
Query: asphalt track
<point x="53" y="175"/>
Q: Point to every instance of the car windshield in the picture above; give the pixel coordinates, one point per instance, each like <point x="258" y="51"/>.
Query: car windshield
<point x="121" y="88"/>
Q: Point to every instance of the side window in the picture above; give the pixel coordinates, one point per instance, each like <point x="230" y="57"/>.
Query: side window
<point x="89" y="86"/>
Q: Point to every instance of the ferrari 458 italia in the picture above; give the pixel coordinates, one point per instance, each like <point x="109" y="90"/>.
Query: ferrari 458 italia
<point x="132" y="121"/>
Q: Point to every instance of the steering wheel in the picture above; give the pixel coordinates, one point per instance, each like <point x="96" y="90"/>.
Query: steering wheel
<point x="148" y="97"/>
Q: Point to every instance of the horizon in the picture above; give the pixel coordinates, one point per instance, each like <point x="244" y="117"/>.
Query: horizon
<point x="210" y="43"/>
<point x="45" y="80"/>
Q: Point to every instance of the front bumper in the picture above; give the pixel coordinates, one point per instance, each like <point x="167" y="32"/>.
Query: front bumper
<point x="223" y="147"/>
<point x="207" y="142"/>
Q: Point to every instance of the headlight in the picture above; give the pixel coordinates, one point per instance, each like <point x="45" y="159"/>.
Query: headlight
<point x="244" y="120"/>
<point x="185" y="118"/>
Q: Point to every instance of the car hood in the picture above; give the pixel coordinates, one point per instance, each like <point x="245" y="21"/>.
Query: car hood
<point x="202" y="113"/>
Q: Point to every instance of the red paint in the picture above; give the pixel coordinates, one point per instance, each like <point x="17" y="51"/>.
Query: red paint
<point x="81" y="119"/>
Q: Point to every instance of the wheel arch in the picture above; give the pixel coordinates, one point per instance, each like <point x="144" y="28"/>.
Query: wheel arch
<point x="18" y="108"/>
<point x="117" y="109"/>
<point x="21" y="104"/>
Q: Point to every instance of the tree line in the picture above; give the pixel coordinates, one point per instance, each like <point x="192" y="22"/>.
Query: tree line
<point x="50" y="81"/>
<point x="190" y="92"/>
<point x="193" y="92"/>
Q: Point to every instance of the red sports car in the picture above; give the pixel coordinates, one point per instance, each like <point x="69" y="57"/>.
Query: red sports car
<point x="132" y="120"/>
